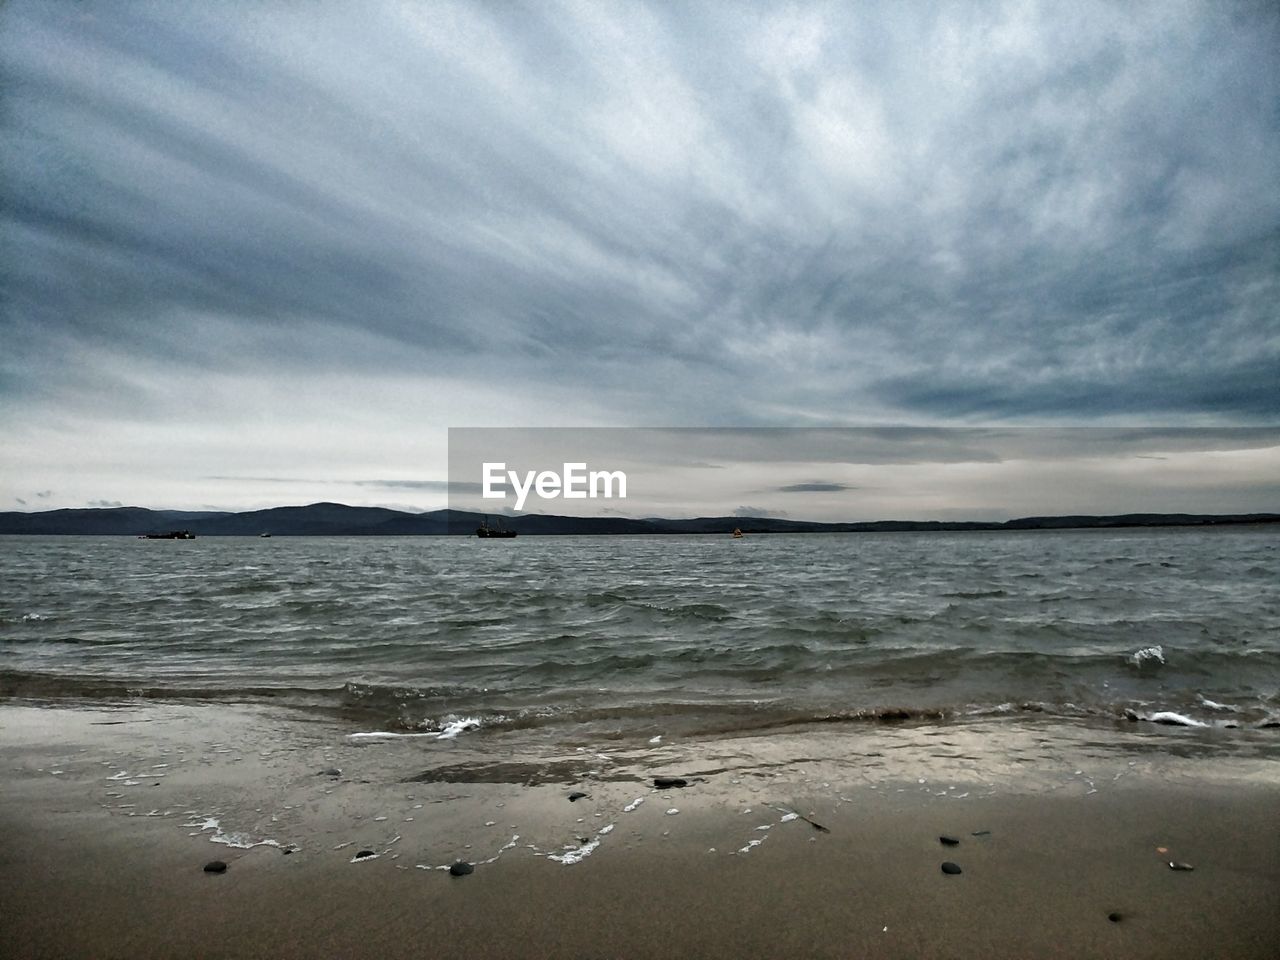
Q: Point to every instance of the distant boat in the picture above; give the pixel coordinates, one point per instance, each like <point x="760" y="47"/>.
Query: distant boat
<point x="486" y="532"/>
<point x="738" y="534"/>
<point x="171" y="535"/>
<point x="261" y="535"/>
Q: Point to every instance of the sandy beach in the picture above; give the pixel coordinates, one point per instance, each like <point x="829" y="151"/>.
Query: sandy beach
<point x="109" y="812"/>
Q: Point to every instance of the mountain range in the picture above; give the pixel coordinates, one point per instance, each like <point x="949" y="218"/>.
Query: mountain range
<point x="337" y="519"/>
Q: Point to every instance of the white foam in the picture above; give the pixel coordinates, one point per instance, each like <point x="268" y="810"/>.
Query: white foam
<point x="1151" y="654"/>
<point x="673" y="811"/>
<point x="241" y="841"/>
<point x="657" y="739"/>
<point x="633" y="804"/>
<point x="1214" y="705"/>
<point x="1178" y="719"/>
<point x="455" y="727"/>
<point x="750" y="844"/>
<point x="789" y="817"/>
<point x="570" y="857"/>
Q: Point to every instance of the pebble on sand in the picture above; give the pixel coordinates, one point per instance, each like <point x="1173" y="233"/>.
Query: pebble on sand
<point x="1174" y="865"/>
<point x="1115" y="917"/>
<point x="666" y="783"/>
<point x="577" y="795"/>
<point x="461" y="869"/>
<point x="951" y="868"/>
<point x="364" y="853"/>
<point x="949" y="841"/>
<point x="215" y="866"/>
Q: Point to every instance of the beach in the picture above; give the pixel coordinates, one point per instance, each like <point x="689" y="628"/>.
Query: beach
<point x="113" y="809"/>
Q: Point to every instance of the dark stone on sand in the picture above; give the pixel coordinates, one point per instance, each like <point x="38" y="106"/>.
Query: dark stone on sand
<point x="951" y="868"/>
<point x="329" y="772"/>
<point x="1115" y="917"/>
<point x="215" y="866"/>
<point x="576" y="795"/>
<point x="461" y="869"/>
<point x="949" y="841"/>
<point x="666" y="783"/>
<point x="1180" y="866"/>
<point x="364" y="853"/>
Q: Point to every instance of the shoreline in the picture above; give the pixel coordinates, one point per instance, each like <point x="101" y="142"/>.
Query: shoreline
<point x="1056" y="834"/>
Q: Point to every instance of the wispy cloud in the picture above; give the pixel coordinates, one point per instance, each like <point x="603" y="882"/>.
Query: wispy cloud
<point x="815" y="486"/>
<point x="311" y="234"/>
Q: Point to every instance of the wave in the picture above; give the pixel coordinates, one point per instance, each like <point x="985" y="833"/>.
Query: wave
<point x="448" y="712"/>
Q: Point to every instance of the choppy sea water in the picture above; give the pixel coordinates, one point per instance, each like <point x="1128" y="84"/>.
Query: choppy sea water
<point x="640" y="636"/>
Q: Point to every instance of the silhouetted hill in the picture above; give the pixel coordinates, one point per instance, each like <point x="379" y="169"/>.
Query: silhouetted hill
<point x="337" y="519"/>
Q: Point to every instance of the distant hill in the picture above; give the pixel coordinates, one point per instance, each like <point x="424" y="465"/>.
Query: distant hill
<point x="340" y="520"/>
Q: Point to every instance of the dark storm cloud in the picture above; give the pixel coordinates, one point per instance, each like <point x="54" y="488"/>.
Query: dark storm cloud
<point x="816" y="486"/>
<point x="707" y="214"/>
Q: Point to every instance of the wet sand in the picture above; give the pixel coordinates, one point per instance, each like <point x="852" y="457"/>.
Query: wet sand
<point x="107" y="818"/>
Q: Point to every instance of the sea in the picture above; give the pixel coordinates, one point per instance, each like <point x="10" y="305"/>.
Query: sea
<point x="639" y="637"/>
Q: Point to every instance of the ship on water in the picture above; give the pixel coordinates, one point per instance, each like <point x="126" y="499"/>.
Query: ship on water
<point x="486" y="532"/>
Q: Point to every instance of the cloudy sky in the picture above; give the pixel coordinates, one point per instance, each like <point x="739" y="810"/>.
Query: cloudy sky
<point x="256" y="254"/>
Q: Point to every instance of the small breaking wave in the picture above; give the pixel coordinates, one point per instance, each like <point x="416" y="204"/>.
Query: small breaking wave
<point x="448" y="729"/>
<point x="1215" y="705"/>
<point x="1147" y="657"/>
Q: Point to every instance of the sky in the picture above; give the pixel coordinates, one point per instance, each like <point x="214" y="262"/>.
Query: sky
<point x="264" y="254"/>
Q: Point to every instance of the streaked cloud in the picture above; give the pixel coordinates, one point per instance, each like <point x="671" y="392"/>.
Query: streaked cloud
<point x="815" y="486"/>
<point x="279" y="240"/>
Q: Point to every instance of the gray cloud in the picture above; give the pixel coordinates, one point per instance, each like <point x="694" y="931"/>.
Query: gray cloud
<point x="432" y="486"/>
<point x="815" y="486"/>
<point x="836" y="214"/>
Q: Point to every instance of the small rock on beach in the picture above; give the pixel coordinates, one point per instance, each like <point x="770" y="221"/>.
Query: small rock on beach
<point x="948" y="841"/>
<point x="666" y="783"/>
<point x="215" y="866"/>
<point x="461" y="869"/>
<point x="951" y="868"/>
